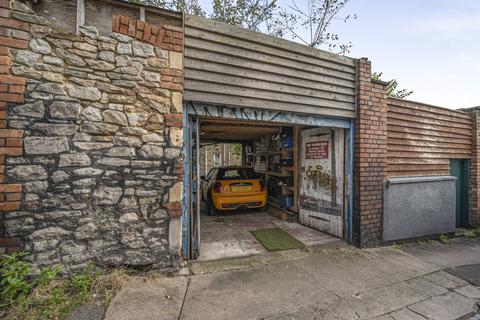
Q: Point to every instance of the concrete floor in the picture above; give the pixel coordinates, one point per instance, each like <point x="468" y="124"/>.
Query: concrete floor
<point x="391" y="283"/>
<point x="227" y="235"/>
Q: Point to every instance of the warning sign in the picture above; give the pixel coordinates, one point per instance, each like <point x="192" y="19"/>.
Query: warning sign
<point x="316" y="150"/>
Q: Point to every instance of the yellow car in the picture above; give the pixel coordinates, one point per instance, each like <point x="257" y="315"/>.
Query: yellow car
<point x="231" y="188"/>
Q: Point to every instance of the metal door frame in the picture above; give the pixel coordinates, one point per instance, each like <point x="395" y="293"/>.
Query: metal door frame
<point x="195" y="110"/>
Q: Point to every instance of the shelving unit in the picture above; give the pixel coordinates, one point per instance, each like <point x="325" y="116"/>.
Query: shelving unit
<point x="283" y="172"/>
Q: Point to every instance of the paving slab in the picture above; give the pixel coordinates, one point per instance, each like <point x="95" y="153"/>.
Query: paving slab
<point x="406" y="314"/>
<point x="349" y="271"/>
<point x="254" y="293"/>
<point x="469" y="291"/>
<point x="149" y="298"/>
<point x="338" y="309"/>
<point x="450" y="306"/>
<point x="469" y="273"/>
<point x="445" y="280"/>
<point x="387" y="299"/>
<point x="457" y="252"/>
<point x="336" y="284"/>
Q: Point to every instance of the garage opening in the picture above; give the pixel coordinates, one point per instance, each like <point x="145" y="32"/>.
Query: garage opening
<point x="252" y="176"/>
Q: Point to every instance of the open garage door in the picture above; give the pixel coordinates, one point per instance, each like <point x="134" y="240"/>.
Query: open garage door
<point x="321" y="179"/>
<point x="302" y="166"/>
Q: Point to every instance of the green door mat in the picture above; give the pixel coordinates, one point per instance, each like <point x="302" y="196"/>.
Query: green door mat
<point x="276" y="239"/>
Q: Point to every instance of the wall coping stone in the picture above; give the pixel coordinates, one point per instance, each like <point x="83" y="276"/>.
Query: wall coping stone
<point x="410" y="180"/>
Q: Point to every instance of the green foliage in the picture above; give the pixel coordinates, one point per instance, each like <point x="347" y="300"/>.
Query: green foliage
<point x="443" y="239"/>
<point x="469" y="234"/>
<point x="82" y="282"/>
<point x="47" y="296"/>
<point x="316" y="17"/>
<point x="396" y="247"/>
<point x="392" y="87"/>
<point x="268" y="16"/>
<point x="47" y="275"/>
<point x="13" y="278"/>
<point x="236" y="149"/>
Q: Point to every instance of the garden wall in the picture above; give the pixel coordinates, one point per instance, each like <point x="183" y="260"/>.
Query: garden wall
<point x="98" y="174"/>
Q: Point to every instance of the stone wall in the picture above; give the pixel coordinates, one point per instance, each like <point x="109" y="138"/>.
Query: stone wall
<point x="100" y="167"/>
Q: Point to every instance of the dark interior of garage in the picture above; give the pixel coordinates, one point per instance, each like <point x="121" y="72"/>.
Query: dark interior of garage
<point x="274" y="153"/>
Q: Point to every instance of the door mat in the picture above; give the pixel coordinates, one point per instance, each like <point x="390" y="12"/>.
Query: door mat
<point x="276" y="239"/>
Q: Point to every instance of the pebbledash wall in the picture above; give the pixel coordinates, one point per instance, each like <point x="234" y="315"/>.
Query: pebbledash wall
<point x="91" y="139"/>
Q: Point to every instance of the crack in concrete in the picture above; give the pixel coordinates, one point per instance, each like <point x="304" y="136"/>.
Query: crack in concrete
<point x="184" y="299"/>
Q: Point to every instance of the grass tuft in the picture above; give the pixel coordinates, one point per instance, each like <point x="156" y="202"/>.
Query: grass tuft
<point x="48" y="296"/>
<point x="443" y="239"/>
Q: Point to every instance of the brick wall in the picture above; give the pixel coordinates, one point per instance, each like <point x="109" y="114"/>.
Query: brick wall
<point x="369" y="158"/>
<point x="475" y="169"/>
<point x="165" y="37"/>
<point x="13" y="35"/>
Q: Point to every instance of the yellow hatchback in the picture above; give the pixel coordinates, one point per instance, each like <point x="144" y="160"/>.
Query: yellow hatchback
<point x="232" y="188"/>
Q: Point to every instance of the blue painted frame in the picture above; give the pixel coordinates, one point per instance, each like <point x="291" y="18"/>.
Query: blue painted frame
<point x="242" y="113"/>
<point x="186" y="183"/>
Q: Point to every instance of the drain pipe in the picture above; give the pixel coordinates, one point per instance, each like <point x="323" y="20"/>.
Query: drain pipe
<point x="351" y="155"/>
<point x="350" y="180"/>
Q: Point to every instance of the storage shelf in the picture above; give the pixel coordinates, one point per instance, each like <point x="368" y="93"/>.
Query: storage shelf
<point x="267" y="153"/>
<point x="278" y="174"/>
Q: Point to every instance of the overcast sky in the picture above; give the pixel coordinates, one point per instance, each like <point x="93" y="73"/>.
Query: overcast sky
<point x="429" y="46"/>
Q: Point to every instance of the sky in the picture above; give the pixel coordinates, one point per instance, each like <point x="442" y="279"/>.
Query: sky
<point x="430" y="46"/>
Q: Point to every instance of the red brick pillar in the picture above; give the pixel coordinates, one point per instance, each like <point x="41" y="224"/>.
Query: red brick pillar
<point x="370" y="157"/>
<point x="474" y="214"/>
<point x="12" y="36"/>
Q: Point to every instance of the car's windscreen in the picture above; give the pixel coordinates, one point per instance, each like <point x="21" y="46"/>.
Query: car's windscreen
<point x="236" y="174"/>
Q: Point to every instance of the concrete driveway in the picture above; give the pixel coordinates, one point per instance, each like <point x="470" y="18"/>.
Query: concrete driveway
<point x="413" y="282"/>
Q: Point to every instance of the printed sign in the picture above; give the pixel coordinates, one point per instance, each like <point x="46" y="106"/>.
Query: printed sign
<point x="316" y="150"/>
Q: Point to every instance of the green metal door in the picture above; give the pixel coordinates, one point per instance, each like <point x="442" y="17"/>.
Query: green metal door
<point x="459" y="169"/>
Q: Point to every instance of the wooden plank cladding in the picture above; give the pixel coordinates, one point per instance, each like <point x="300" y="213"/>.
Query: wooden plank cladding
<point x="228" y="65"/>
<point x="421" y="139"/>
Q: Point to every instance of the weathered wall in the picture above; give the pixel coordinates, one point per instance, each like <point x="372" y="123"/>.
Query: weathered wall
<point x="99" y="13"/>
<point x="370" y="157"/>
<point x="474" y="178"/>
<point x="13" y="36"/>
<point x="422" y="138"/>
<point x="416" y="207"/>
<point x="100" y="167"/>
<point x="228" y="65"/>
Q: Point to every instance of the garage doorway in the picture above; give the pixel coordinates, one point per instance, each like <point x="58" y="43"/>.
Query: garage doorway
<point x="303" y="162"/>
<point x="459" y="168"/>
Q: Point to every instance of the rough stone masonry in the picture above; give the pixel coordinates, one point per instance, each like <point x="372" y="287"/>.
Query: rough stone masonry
<point x="100" y="167"/>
